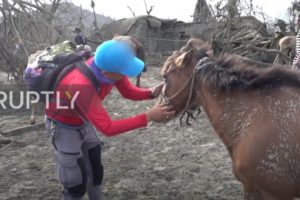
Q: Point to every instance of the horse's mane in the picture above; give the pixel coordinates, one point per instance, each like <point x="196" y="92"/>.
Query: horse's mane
<point x="230" y="72"/>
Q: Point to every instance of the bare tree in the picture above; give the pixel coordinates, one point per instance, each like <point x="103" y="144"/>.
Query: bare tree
<point x="294" y="11"/>
<point x="148" y="10"/>
<point x="133" y="13"/>
<point x="29" y="25"/>
<point x="202" y="12"/>
<point x="232" y="13"/>
<point x="23" y="21"/>
<point x="95" y="18"/>
<point x="237" y="32"/>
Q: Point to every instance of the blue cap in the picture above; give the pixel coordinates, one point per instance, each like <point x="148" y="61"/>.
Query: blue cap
<point x="118" y="57"/>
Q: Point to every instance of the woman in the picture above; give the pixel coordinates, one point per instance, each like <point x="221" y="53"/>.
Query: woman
<point x="76" y="143"/>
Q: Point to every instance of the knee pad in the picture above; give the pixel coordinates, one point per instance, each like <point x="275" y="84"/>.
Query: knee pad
<point x="96" y="164"/>
<point x="72" y="174"/>
<point x="80" y="189"/>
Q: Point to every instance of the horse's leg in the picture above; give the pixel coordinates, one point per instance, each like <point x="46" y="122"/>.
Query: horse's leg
<point x="276" y="60"/>
<point x="138" y="81"/>
<point x="290" y="54"/>
<point x="32" y="117"/>
<point x="286" y="61"/>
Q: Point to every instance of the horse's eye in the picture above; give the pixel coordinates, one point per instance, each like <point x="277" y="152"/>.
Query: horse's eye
<point x="165" y="76"/>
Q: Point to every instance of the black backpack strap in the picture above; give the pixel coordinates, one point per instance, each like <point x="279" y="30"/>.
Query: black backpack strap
<point x="87" y="72"/>
<point x="84" y="69"/>
<point x="62" y="74"/>
<point x="64" y="65"/>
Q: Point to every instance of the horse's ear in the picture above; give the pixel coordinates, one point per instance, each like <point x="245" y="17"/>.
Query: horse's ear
<point x="184" y="58"/>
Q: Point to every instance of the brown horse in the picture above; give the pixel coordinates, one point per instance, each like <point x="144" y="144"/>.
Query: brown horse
<point x="139" y="50"/>
<point x="254" y="110"/>
<point x="287" y="45"/>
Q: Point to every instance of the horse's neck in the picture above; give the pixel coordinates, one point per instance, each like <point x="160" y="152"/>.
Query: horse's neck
<point x="225" y="113"/>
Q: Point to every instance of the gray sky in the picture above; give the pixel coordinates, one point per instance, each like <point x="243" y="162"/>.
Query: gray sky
<point x="182" y="10"/>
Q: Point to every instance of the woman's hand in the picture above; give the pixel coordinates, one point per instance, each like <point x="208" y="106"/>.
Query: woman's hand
<point x="160" y="113"/>
<point x="155" y="91"/>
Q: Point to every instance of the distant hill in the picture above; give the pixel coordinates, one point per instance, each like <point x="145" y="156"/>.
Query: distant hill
<point x="69" y="16"/>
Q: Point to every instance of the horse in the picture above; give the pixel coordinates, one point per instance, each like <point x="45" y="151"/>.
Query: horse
<point x="139" y="50"/>
<point x="254" y="110"/>
<point x="287" y="45"/>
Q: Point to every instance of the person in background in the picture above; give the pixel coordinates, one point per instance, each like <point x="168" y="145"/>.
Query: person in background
<point x="79" y="38"/>
<point x="75" y="132"/>
<point x="296" y="61"/>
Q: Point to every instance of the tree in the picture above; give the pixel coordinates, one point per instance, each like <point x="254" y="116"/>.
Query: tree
<point x="294" y="11"/>
<point x="27" y="25"/>
<point x="132" y="12"/>
<point x="148" y="10"/>
<point x="202" y="12"/>
<point x="33" y="25"/>
<point x="95" y="18"/>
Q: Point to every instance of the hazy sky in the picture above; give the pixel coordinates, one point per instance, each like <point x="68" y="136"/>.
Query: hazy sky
<point x="182" y="10"/>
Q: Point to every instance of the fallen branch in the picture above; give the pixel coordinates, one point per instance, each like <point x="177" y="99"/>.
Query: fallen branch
<point x="19" y="130"/>
<point x="268" y="50"/>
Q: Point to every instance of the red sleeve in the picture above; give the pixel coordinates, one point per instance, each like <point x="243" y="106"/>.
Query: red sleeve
<point x="132" y="92"/>
<point x="90" y="105"/>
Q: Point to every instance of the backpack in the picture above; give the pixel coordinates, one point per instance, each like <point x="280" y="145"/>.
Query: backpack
<point x="48" y="67"/>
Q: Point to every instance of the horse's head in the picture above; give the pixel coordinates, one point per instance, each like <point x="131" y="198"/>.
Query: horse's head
<point x="179" y="76"/>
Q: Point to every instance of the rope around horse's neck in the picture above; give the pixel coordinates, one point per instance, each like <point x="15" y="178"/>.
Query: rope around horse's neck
<point x="191" y="79"/>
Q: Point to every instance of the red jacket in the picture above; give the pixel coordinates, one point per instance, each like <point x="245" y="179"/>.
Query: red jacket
<point x="89" y="104"/>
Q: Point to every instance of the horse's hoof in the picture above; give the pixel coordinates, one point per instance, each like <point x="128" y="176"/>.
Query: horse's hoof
<point x="32" y="121"/>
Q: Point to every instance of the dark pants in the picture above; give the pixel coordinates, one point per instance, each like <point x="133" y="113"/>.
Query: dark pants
<point x="78" y="161"/>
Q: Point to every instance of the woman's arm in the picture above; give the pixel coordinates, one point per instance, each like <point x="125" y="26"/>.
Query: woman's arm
<point x="91" y="108"/>
<point x="129" y="91"/>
